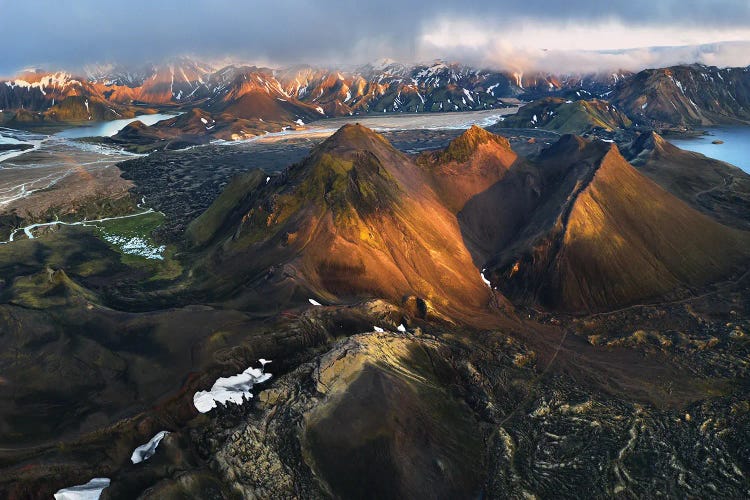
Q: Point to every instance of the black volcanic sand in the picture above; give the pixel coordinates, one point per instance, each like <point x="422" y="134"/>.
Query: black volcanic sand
<point x="183" y="184"/>
<point x="15" y="147"/>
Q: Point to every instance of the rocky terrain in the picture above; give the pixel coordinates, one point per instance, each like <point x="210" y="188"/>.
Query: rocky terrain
<point x="462" y="313"/>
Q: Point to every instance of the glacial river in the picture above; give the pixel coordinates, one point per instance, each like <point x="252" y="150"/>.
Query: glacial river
<point x="52" y="158"/>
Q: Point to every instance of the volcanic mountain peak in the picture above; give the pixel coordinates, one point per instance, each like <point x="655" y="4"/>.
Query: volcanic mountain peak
<point x="356" y="137"/>
<point x="470" y="164"/>
<point x="462" y="147"/>
<point x="355" y="218"/>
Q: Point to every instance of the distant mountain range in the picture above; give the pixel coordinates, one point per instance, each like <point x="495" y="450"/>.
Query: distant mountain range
<point x="681" y="96"/>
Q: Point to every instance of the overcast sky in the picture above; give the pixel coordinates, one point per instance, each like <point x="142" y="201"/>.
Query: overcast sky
<point x="520" y="35"/>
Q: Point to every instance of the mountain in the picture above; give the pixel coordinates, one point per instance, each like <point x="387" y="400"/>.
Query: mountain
<point x="249" y="92"/>
<point x="60" y="97"/>
<point x="174" y="81"/>
<point x="569" y="116"/>
<point x="685" y="96"/>
<point x="583" y="230"/>
<point x="399" y="88"/>
<point x="357" y="218"/>
<point x="295" y="93"/>
<point x="715" y="188"/>
<point x="579" y="229"/>
<point x="677" y="97"/>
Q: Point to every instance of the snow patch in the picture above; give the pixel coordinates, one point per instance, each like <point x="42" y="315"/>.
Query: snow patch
<point x="135" y="246"/>
<point x="234" y="389"/>
<point x="486" y="281"/>
<point x="314" y="302"/>
<point x="146" y="451"/>
<point x="89" y="491"/>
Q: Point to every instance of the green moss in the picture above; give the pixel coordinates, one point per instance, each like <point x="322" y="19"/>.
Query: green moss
<point x="48" y="288"/>
<point x="140" y="226"/>
<point x="576" y="117"/>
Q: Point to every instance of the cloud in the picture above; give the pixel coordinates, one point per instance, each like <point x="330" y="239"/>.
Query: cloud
<point x="73" y="33"/>
<point x="531" y="45"/>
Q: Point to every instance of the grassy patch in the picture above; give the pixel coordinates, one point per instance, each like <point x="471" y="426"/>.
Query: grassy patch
<point x="131" y="237"/>
<point x="138" y="226"/>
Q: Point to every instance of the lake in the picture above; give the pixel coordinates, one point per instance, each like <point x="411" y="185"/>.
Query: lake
<point x="735" y="150"/>
<point x="110" y="128"/>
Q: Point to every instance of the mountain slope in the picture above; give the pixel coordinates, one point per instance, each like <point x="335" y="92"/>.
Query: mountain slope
<point x="599" y="235"/>
<point x="716" y="188"/>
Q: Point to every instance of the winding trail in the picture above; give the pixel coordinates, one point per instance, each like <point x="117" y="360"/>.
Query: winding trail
<point x="728" y="180"/>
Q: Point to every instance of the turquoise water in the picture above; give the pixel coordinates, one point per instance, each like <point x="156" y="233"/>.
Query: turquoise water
<point x="735" y="150"/>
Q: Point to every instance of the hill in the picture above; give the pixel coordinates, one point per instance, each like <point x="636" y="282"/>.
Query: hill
<point x="569" y="116"/>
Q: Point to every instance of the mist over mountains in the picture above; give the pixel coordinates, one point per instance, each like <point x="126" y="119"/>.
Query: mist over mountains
<point x="510" y="35"/>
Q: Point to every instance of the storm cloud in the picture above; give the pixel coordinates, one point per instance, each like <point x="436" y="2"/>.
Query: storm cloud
<point x="505" y="34"/>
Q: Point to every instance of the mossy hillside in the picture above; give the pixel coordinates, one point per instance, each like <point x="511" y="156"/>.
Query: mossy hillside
<point x="239" y="191"/>
<point x="76" y="249"/>
<point x="351" y="187"/>
<point x="569" y="117"/>
<point x="48" y="289"/>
